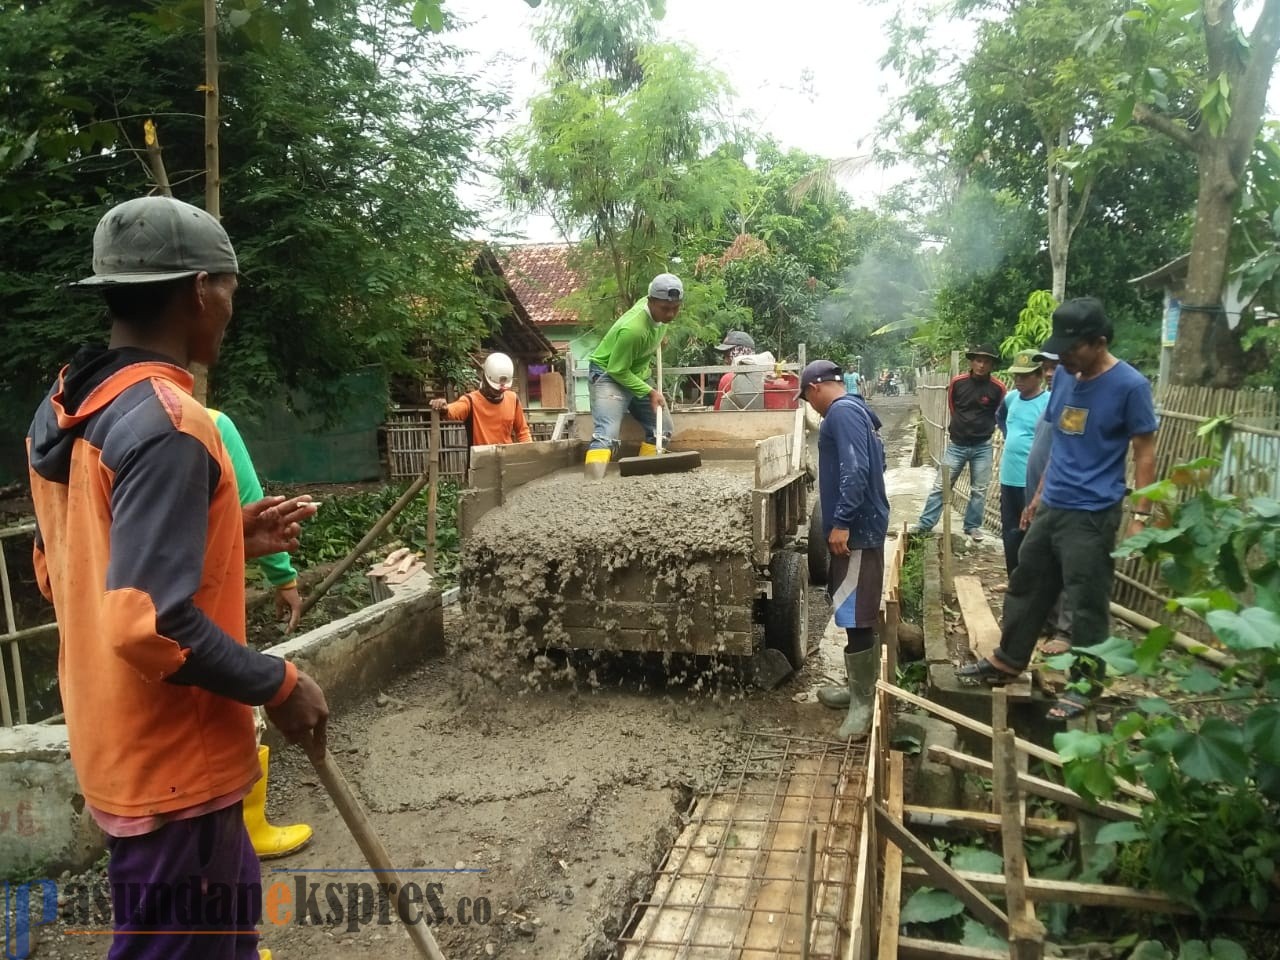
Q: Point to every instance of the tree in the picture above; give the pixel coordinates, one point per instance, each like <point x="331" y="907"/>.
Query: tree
<point x="340" y="150"/>
<point x="621" y="148"/>
<point x="1217" y="121"/>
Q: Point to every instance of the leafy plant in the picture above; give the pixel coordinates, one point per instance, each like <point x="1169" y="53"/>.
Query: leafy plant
<point x="1211" y="836"/>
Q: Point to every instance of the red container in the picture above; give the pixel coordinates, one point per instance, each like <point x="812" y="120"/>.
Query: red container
<point x="782" y="392"/>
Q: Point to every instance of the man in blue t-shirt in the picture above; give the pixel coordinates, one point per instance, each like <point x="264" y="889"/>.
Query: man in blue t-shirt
<point x="855" y="520"/>
<point x="1100" y="410"/>
<point x="1017" y="417"/>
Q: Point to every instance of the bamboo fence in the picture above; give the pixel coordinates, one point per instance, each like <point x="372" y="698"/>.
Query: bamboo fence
<point x="1248" y="445"/>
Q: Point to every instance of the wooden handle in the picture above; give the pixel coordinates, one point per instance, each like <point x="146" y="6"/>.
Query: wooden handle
<point x="433" y="491"/>
<point x="371" y="846"/>
<point x="657" y="437"/>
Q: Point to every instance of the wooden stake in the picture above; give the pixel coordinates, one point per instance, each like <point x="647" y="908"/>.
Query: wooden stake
<point x="1026" y="932"/>
<point x="891" y="901"/>
<point x="948" y="580"/>
<point x="433" y="490"/>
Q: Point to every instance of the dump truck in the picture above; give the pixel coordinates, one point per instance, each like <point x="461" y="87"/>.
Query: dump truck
<point x="708" y="562"/>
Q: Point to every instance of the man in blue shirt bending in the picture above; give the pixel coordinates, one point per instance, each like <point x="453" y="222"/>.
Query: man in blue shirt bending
<point x="1100" y="410"/>
<point x="855" y="519"/>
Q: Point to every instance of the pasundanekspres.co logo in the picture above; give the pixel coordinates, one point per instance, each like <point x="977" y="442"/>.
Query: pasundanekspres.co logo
<point x="283" y="898"/>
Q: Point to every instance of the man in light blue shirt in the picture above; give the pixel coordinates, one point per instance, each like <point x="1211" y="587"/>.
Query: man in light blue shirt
<point x="1017" y="417"/>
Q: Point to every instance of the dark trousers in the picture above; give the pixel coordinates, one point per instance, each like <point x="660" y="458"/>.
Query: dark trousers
<point x="190" y="875"/>
<point x="1064" y="551"/>
<point x="1012" y="502"/>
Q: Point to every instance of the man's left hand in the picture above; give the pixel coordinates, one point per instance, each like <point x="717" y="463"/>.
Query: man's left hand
<point x="288" y="606"/>
<point x="838" y="542"/>
<point x="273" y="524"/>
<point x="1135" y="528"/>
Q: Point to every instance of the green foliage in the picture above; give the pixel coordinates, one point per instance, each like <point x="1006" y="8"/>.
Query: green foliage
<point x="1035" y="323"/>
<point x="1211" y="838"/>
<point x="346" y="518"/>
<point x="342" y="140"/>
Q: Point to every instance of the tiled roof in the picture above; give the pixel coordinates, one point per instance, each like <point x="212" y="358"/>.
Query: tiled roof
<point x="540" y="276"/>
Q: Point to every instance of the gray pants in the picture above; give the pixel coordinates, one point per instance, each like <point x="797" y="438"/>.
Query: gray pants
<point x="1065" y="552"/>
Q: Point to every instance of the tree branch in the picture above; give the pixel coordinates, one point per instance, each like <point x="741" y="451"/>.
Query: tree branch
<point x="1250" y="94"/>
<point x="1082" y="205"/>
<point x="1146" y="117"/>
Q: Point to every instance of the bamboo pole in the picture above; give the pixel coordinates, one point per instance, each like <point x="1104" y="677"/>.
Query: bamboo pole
<point x="433" y="490"/>
<point x="948" y="574"/>
<point x="1181" y="640"/>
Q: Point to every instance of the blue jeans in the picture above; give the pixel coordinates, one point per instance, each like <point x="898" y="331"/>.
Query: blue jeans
<point x="978" y="457"/>
<point x="610" y="402"/>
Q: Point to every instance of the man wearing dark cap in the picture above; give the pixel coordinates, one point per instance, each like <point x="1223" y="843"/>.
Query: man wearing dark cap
<point x="140" y="545"/>
<point x="619" y="372"/>
<point x="973" y="399"/>
<point x="1099" y="411"/>
<point x="855" y="520"/>
<point x="737" y="346"/>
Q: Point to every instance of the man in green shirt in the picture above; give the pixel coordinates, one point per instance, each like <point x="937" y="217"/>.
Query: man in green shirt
<point x="619" y="372"/>
<point x="269" y="841"/>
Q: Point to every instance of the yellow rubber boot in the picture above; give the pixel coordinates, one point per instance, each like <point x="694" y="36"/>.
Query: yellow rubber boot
<point x="269" y="841"/>
<point x="264" y="955"/>
<point x="648" y="450"/>
<point x="597" y="463"/>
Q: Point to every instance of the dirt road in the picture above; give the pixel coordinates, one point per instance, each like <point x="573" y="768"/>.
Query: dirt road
<point x="539" y="813"/>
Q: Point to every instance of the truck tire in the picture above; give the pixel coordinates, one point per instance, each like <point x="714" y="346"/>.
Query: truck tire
<point x="786" y="618"/>
<point x="819" y="556"/>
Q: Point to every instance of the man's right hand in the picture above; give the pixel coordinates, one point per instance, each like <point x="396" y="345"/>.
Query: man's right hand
<point x="439" y="404"/>
<point x="656" y="399"/>
<point x="303" y="717"/>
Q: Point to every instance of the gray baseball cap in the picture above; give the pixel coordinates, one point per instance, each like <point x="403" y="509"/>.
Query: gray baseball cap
<point x="152" y="239"/>
<point x="666" y="286"/>
<point x="737" y="338"/>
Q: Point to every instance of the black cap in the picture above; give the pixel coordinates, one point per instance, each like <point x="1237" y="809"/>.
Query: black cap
<point x="1076" y="320"/>
<point x="983" y="350"/>
<point x="819" y="371"/>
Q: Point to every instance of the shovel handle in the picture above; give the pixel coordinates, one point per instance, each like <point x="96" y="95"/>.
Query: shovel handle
<point x="657" y="437"/>
<point x="371" y="846"/>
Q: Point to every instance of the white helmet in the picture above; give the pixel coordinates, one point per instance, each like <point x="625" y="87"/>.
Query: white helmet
<point x="499" y="371"/>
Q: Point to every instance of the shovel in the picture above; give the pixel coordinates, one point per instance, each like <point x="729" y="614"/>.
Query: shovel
<point x="371" y="846"/>
<point x="662" y="462"/>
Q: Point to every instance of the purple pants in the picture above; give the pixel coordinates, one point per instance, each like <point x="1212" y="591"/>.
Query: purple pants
<point x="191" y="890"/>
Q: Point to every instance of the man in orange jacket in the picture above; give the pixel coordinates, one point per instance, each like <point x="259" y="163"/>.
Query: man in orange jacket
<point x="140" y="545"/>
<point x="492" y="413"/>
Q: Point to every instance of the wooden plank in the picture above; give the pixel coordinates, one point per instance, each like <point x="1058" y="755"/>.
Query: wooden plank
<point x="861" y="917"/>
<point x="942" y="875"/>
<point x="891" y="900"/>
<point x="945" y="818"/>
<point x="911" y="948"/>
<point x="1041" y="788"/>
<point x="474" y="504"/>
<point x="979" y="621"/>
<point x="977" y="726"/>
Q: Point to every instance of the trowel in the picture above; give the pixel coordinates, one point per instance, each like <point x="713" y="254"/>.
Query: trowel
<point x="662" y="461"/>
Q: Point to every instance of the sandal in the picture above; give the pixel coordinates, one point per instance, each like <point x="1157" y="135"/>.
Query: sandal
<point x="1069" y="706"/>
<point x="1053" y="647"/>
<point x="985" y="673"/>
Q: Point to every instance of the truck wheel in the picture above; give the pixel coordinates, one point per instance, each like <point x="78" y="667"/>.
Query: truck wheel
<point x="819" y="556"/>
<point x="786" y="618"/>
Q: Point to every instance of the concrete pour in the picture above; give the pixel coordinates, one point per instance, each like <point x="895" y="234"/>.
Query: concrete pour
<point x="650" y="539"/>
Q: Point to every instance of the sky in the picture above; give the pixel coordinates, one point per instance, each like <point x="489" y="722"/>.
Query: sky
<point x="807" y="70"/>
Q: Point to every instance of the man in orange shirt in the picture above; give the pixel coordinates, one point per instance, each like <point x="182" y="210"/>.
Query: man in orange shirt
<point x="492" y="413"/>
<point x="140" y="544"/>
